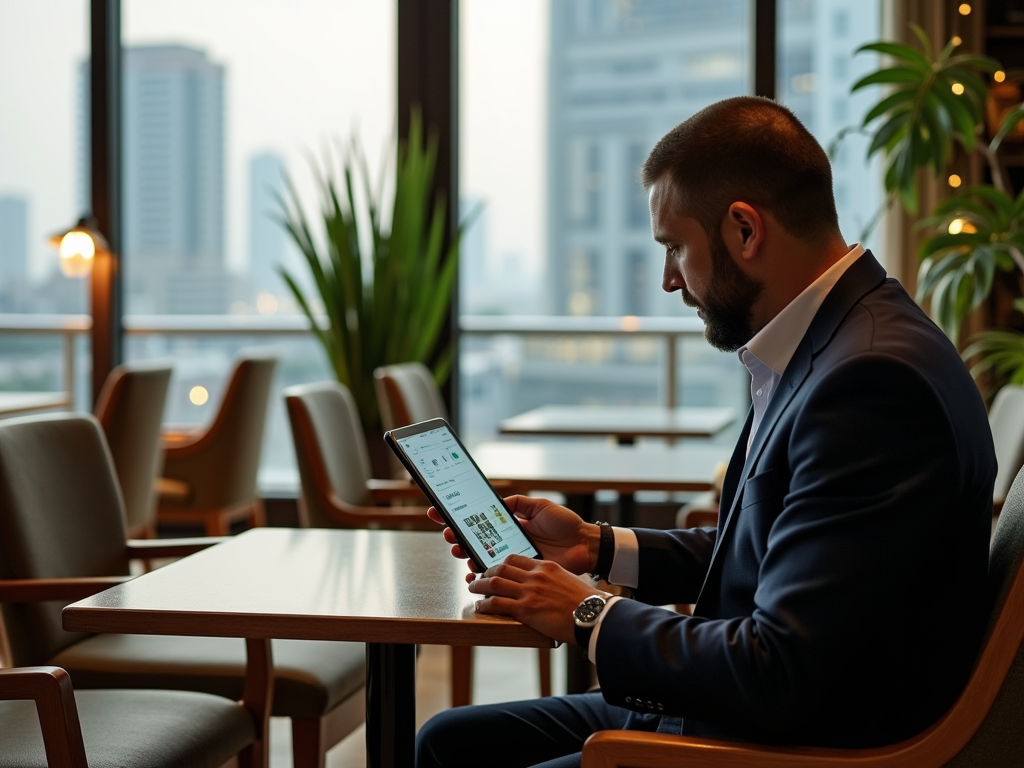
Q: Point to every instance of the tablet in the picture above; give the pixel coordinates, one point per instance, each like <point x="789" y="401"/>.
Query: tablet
<point x="448" y="476"/>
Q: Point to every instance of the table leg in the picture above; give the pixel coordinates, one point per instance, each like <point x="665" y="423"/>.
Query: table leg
<point x="257" y="698"/>
<point x="627" y="501"/>
<point x="390" y="705"/>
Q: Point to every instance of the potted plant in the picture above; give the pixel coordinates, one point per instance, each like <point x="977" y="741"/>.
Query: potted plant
<point x="379" y="268"/>
<point x="935" y="102"/>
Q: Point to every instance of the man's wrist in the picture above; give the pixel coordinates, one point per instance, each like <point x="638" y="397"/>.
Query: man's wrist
<point x="593" y="535"/>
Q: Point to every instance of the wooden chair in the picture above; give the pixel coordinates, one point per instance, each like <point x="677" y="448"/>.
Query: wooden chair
<point x="130" y="409"/>
<point x="62" y="538"/>
<point x="338" y="490"/>
<point x="43" y="722"/>
<point x="209" y="475"/>
<point x="983" y="728"/>
<point x="407" y="393"/>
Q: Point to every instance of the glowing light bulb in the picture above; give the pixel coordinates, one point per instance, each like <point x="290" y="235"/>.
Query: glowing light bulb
<point x="955" y="181"/>
<point x="77" y="251"/>
<point x="956" y="226"/>
<point x="999" y="76"/>
<point x="958" y="88"/>
<point x="266" y="303"/>
<point x="198" y="395"/>
<point x="965" y="9"/>
<point x="956" y="40"/>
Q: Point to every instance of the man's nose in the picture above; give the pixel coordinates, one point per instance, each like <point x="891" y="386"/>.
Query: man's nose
<point x="671" y="280"/>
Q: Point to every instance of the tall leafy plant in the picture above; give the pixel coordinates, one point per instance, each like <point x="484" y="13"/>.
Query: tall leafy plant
<point x="935" y="101"/>
<point x="386" y="291"/>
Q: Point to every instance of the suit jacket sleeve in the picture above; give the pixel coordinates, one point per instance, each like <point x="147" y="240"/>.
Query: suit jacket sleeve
<point x="857" y="551"/>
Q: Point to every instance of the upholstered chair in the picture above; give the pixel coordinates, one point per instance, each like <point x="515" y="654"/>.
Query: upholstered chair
<point x="130" y="409"/>
<point x="209" y="474"/>
<point x="61" y="518"/>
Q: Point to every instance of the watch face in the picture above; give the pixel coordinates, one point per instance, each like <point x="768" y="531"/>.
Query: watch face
<point x="589" y="610"/>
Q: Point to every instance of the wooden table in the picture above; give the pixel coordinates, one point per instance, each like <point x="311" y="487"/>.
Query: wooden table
<point x="584" y="468"/>
<point x="389" y="589"/>
<point x="13" y="403"/>
<point x="623" y="422"/>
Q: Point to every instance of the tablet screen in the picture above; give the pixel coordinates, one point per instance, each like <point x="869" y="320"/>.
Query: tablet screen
<point x="468" y="498"/>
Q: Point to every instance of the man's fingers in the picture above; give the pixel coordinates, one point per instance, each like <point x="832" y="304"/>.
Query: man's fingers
<point x="434" y="515"/>
<point x="522" y="506"/>
<point x="498" y="605"/>
<point x="496" y="586"/>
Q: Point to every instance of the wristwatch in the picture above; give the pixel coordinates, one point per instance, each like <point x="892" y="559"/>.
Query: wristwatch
<point x="585" y="618"/>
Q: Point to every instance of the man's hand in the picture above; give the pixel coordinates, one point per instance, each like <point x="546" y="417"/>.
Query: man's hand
<point x="539" y="593"/>
<point x="559" y="533"/>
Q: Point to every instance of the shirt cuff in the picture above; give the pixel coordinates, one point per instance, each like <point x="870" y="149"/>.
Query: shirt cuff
<point x="625" y="570"/>
<point x="592" y="646"/>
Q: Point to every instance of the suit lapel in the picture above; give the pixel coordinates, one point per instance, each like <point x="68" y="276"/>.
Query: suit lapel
<point x="862" y="277"/>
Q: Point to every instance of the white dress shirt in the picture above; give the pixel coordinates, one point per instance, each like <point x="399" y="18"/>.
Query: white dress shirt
<point x="766" y="357"/>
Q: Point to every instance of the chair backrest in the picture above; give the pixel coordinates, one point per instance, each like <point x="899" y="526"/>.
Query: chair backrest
<point x="1006" y="419"/>
<point x="221" y="466"/>
<point x="61" y="515"/>
<point x="330" y="449"/>
<point x="407" y="393"/>
<point x="1000" y="739"/>
<point x="130" y="409"/>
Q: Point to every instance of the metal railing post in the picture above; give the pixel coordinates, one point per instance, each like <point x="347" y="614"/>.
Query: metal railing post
<point x="69" y="367"/>
<point x="670" y="361"/>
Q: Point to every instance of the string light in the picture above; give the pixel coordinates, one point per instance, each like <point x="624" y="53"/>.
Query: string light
<point x="955" y="181"/>
<point x="965" y="9"/>
<point x="999" y="76"/>
<point x="958" y="88"/>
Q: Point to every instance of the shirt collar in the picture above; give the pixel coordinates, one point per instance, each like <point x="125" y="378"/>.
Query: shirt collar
<point x="776" y="343"/>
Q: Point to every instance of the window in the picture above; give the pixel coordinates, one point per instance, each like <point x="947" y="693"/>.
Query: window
<point x="561" y="101"/>
<point x="42" y="155"/>
<point x="216" y="115"/>
<point x="817" y="66"/>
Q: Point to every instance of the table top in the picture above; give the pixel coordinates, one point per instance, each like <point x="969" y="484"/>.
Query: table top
<point x="620" y="421"/>
<point x="307" y="584"/>
<point x="24" y="402"/>
<point x="582" y="467"/>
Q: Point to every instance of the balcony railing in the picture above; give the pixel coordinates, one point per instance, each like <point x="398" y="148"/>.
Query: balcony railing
<point x="509" y="364"/>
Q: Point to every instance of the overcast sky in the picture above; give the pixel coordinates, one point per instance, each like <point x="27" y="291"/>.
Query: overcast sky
<point x="300" y="73"/>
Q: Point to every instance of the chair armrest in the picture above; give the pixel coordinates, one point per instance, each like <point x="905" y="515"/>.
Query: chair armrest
<point x="177" y="439"/>
<point x="153" y="548"/>
<point x="43" y="590"/>
<point x="50" y="688"/>
<point x="394" y="490"/>
<point x="637" y="749"/>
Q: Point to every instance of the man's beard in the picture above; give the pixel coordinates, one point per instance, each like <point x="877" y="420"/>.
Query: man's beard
<point x="728" y="304"/>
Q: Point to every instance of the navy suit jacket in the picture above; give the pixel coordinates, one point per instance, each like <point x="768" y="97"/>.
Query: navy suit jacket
<point x="840" y="601"/>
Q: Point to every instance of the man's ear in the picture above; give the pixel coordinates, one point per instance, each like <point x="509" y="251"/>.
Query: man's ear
<point x="743" y="230"/>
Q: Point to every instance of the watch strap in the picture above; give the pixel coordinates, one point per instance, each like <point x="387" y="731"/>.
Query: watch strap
<point x="605" y="552"/>
<point x="583" y="635"/>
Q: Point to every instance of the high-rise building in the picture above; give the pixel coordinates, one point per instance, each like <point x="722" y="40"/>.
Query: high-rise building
<point x="622" y="74"/>
<point x="173" y="181"/>
<point x="268" y="240"/>
<point x="13" y="242"/>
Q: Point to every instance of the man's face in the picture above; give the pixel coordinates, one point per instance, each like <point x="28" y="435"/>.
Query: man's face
<point x="701" y="268"/>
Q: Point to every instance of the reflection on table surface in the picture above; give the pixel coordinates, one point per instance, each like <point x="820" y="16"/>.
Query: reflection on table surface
<point x="621" y="421"/>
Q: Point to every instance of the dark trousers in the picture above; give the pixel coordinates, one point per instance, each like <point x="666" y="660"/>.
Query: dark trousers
<point x="537" y="732"/>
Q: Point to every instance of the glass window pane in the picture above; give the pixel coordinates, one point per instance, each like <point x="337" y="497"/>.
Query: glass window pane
<point x="816" y="67"/>
<point x="43" y="47"/>
<point x="561" y="101"/>
<point x="222" y="100"/>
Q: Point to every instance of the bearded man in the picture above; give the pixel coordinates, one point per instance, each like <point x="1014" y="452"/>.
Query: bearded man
<point x="855" y="511"/>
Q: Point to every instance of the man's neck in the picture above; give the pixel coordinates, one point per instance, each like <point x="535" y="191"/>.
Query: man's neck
<point x="799" y="264"/>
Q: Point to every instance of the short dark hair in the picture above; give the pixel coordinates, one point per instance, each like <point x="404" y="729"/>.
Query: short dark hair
<point x="753" y="150"/>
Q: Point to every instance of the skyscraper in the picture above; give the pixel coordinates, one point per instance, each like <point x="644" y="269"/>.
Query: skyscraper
<point x="13" y="242"/>
<point x="623" y="73"/>
<point x="174" y="180"/>
<point x="268" y="241"/>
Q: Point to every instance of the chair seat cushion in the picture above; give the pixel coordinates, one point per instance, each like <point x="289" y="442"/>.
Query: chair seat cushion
<point x="311" y="676"/>
<point x="142" y="729"/>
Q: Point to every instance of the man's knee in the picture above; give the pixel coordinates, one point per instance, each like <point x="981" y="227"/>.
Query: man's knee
<point x="442" y="738"/>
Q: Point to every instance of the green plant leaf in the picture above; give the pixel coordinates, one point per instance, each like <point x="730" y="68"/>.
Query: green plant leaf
<point x="889" y="75"/>
<point x="900" y="51"/>
<point x="1010" y="121"/>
